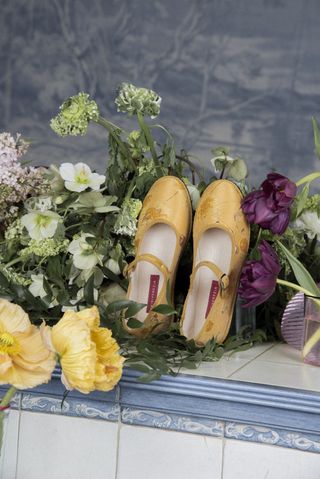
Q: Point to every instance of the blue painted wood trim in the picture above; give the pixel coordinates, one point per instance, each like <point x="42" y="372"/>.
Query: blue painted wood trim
<point x="201" y="398"/>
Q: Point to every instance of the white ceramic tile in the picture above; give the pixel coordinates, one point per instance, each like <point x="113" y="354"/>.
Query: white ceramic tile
<point x="154" y="454"/>
<point x="282" y="353"/>
<point x="10" y="446"/>
<point x="60" y="447"/>
<point x="291" y="375"/>
<point x="243" y="460"/>
<point x="229" y="363"/>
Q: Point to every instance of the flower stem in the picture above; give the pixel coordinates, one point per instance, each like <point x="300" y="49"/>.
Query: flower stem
<point x="8" y="396"/>
<point x="14" y="261"/>
<point x="193" y="167"/>
<point x="122" y="147"/>
<point x="3" y="404"/>
<point x="308" y="178"/>
<point x="147" y="133"/>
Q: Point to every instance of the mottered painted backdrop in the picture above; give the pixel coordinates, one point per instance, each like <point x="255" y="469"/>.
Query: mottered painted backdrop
<point x="232" y="72"/>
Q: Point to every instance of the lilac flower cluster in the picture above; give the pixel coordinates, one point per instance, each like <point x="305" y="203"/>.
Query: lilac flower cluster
<point x="16" y="181"/>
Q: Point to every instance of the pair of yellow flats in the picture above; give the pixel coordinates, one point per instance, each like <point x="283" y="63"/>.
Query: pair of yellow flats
<point x="220" y="244"/>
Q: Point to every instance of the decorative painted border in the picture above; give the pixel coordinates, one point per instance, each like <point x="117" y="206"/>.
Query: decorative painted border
<point x="90" y="409"/>
<point x="279" y="437"/>
<point x="174" y="422"/>
<point x="193" y="404"/>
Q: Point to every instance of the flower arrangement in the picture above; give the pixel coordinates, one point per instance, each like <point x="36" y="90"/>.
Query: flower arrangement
<point x="67" y="234"/>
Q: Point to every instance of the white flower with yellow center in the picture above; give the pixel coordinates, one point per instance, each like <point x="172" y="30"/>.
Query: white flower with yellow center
<point x="79" y="177"/>
<point x="84" y="255"/>
<point x="41" y="224"/>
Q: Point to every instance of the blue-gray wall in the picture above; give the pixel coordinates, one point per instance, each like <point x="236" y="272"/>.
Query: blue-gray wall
<point x="244" y="73"/>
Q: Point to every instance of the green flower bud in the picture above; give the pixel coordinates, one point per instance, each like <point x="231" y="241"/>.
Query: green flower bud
<point x="75" y="115"/>
<point x="133" y="100"/>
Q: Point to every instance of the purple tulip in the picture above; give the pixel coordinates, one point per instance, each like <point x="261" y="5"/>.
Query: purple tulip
<point x="269" y="207"/>
<point x="279" y="189"/>
<point x="258" y="278"/>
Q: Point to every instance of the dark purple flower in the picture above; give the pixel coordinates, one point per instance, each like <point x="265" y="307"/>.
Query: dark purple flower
<point x="258" y="278"/>
<point x="269" y="207"/>
<point x="279" y="189"/>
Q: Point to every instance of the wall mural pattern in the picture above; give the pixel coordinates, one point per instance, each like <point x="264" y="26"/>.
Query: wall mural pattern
<point x="239" y="73"/>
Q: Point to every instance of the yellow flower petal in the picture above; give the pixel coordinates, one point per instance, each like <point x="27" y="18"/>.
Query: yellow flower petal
<point x="5" y="364"/>
<point x="33" y="351"/>
<point x="27" y="362"/>
<point x="79" y="370"/>
<point x="70" y="334"/>
<point x="109" y="362"/>
<point x="91" y="316"/>
<point x="12" y="318"/>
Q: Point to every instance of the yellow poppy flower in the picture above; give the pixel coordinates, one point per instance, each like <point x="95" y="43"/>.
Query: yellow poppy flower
<point x="25" y="362"/>
<point x="89" y="355"/>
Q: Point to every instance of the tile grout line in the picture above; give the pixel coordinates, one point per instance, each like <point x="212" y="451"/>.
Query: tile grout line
<point x="18" y="437"/>
<point x="223" y="447"/>
<point x="118" y="434"/>
<point x="249" y="362"/>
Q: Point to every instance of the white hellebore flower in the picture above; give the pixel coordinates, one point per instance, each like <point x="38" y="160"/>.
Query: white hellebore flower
<point x="113" y="265"/>
<point x="309" y="222"/>
<point x="79" y="177"/>
<point x="41" y="224"/>
<point x="84" y="256"/>
<point x="36" y="287"/>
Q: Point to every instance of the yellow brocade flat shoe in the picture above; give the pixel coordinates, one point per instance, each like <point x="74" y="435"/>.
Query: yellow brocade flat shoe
<point x="163" y="230"/>
<point x="221" y="239"/>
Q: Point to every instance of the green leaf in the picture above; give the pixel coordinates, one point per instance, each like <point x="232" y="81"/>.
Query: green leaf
<point x="165" y="309"/>
<point x="134" y="323"/>
<point x="119" y="305"/>
<point x="88" y="290"/>
<point x="302" y="198"/>
<point x="302" y="275"/>
<point x="54" y="270"/>
<point x="133" y="309"/>
<point x="138" y="366"/>
<point x="316" y="134"/>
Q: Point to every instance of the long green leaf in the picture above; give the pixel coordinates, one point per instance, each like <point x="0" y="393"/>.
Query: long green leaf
<point x="166" y="309"/>
<point x="133" y="309"/>
<point x="302" y="198"/>
<point x="302" y="275"/>
<point x="118" y="305"/>
<point x="316" y="134"/>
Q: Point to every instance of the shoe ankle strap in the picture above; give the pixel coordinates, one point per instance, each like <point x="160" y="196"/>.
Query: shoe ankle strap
<point x="149" y="258"/>
<point x="223" y="278"/>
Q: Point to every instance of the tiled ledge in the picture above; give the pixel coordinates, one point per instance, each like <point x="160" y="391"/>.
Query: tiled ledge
<point x="212" y="402"/>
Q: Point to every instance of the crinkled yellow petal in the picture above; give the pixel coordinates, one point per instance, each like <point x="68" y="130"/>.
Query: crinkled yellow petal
<point x="24" y="379"/>
<point x="33" y="351"/>
<point x="5" y="364"/>
<point x="79" y="369"/>
<point x="109" y="362"/>
<point x="12" y="318"/>
<point x="72" y="340"/>
<point x="70" y="334"/>
<point x="91" y="316"/>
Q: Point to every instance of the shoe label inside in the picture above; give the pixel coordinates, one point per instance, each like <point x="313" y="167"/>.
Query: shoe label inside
<point x="153" y="290"/>
<point x="212" y="296"/>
